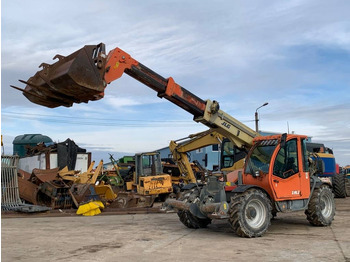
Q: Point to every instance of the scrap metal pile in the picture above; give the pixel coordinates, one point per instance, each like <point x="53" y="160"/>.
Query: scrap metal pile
<point x="62" y="189"/>
<point x="46" y="176"/>
<point x="88" y="192"/>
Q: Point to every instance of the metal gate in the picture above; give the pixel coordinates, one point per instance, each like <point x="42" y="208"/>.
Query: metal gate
<point x="10" y="199"/>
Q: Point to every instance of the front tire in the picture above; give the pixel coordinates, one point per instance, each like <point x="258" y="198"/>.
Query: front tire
<point x="321" y="208"/>
<point x="250" y="213"/>
<point x="186" y="217"/>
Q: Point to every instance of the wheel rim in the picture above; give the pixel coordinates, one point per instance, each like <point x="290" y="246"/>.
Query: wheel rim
<point x="255" y="213"/>
<point x="326" y="205"/>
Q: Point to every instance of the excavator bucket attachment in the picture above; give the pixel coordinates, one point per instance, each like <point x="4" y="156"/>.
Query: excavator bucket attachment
<point x="76" y="78"/>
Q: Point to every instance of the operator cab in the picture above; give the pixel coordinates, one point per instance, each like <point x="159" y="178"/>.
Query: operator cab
<point x="149" y="178"/>
<point x="279" y="165"/>
<point x="148" y="164"/>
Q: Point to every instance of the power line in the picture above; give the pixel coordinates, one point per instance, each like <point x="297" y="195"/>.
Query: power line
<point x="335" y="140"/>
<point x="97" y="119"/>
<point x="97" y="123"/>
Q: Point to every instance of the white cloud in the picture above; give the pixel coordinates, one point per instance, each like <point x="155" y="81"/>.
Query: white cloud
<point x="119" y="102"/>
<point x="241" y="54"/>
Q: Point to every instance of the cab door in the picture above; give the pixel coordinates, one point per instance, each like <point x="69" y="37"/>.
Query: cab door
<point x="286" y="177"/>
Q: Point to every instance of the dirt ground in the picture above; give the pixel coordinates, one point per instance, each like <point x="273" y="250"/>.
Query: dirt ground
<point x="162" y="237"/>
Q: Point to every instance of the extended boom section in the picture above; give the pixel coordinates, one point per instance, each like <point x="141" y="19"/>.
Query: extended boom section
<point x="83" y="75"/>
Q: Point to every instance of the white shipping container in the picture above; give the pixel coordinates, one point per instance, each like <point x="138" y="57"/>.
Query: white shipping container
<point x="49" y="161"/>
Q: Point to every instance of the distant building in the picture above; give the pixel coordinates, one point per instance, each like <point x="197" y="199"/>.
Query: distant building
<point x="208" y="157"/>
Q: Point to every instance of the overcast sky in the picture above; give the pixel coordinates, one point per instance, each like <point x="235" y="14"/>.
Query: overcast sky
<point x="295" y="55"/>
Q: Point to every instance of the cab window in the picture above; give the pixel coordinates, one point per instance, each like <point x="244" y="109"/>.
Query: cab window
<point x="305" y="156"/>
<point x="260" y="157"/>
<point x="230" y="154"/>
<point x="286" y="162"/>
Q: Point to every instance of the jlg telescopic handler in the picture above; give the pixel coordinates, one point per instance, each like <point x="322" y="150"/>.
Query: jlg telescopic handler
<point x="276" y="176"/>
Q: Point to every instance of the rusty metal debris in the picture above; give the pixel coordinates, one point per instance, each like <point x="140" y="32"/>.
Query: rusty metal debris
<point x="10" y="196"/>
<point x="62" y="189"/>
<point x="28" y="191"/>
<point x="43" y="187"/>
<point x="131" y="199"/>
<point x="83" y="193"/>
<point x="40" y="176"/>
<point x="55" y="194"/>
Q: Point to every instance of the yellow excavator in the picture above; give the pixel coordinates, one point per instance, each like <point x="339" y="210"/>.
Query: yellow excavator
<point x="276" y="175"/>
<point x="181" y="147"/>
<point x="148" y="182"/>
<point x="231" y="157"/>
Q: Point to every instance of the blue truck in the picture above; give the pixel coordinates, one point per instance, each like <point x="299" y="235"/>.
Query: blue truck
<point x="331" y="168"/>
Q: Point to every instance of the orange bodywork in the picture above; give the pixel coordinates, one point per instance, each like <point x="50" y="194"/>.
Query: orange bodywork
<point x="117" y="62"/>
<point x="175" y="90"/>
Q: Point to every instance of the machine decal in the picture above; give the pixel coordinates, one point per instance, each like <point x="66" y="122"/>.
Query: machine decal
<point x="225" y="124"/>
<point x="116" y="65"/>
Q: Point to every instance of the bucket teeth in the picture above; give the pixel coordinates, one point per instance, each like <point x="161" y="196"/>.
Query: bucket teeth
<point x="59" y="57"/>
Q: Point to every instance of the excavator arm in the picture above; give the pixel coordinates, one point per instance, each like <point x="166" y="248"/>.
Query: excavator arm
<point x="83" y="75"/>
<point x="181" y="147"/>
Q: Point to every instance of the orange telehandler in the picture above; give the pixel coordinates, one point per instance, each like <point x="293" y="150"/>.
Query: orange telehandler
<point x="276" y="176"/>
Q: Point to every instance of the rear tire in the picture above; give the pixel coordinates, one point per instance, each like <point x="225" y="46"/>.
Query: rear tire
<point x="347" y="185"/>
<point x="186" y="217"/>
<point x="250" y="213"/>
<point x="339" y="187"/>
<point x="321" y="209"/>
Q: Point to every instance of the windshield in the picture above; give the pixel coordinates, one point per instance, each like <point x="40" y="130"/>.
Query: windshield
<point x="149" y="164"/>
<point x="259" y="160"/>
<point x="230" y="154"/>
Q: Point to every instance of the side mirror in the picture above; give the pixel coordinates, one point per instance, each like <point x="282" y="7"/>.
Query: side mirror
<point x="283" y="140"/>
